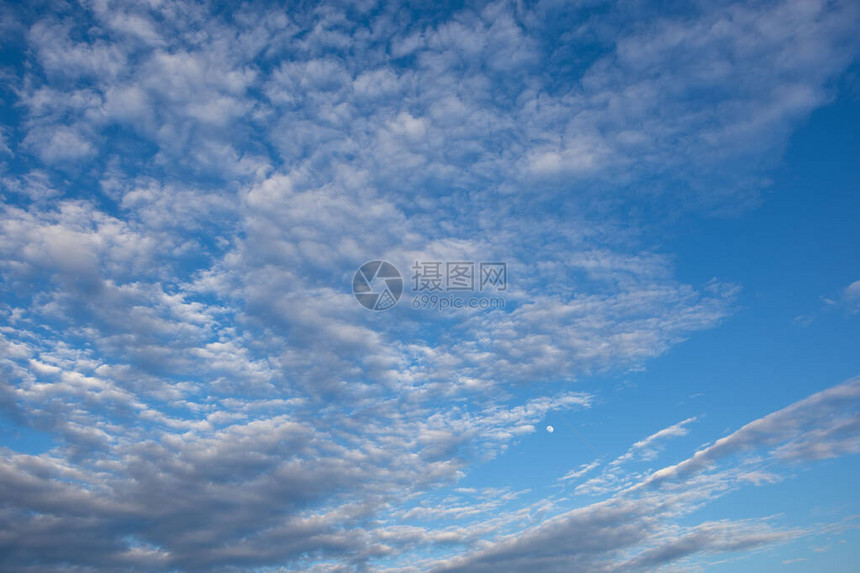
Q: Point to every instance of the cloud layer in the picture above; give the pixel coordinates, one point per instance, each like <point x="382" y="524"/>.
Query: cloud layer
<point x="187" y="190"/>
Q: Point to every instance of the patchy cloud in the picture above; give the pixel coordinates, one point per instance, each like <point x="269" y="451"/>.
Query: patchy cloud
<point x="188" y="188"/>
<point x="637" y="528"/>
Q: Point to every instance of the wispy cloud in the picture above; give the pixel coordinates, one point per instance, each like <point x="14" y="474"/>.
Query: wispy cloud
<point x="179" y="229"/>
<point x="638" y="528"/>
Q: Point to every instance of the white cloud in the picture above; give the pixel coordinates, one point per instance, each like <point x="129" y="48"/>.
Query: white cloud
<point x="819" y="427"/>
<point x="645" y="449"/>
<point x="637" y="529"/>
<point x="59" y="144"/>
<point x="177" y="264"/>
<point x="851" y="296"/>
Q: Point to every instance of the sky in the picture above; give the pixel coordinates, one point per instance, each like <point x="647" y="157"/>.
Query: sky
<point x="545" y="286"/>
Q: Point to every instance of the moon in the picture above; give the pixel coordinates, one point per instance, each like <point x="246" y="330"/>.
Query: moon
<point x="550" y="429"/>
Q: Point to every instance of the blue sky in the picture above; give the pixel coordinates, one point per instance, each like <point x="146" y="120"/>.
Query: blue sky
<point x="671" y="383"/>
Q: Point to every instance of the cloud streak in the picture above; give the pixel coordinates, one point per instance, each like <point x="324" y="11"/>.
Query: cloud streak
<point x="178" y="232"/>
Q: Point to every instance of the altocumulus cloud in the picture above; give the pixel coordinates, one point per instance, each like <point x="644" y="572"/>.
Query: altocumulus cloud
<point x="188" y="188"/>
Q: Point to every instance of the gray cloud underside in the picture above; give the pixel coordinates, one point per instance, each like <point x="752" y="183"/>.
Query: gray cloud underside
<point x="174" y="261"/>
<point x="634" y="529"/>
